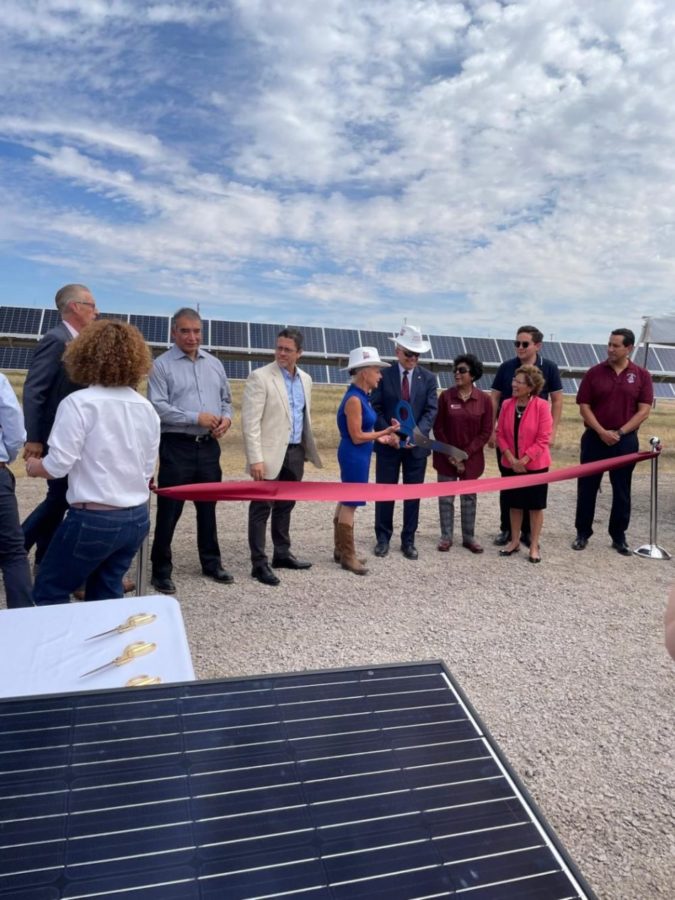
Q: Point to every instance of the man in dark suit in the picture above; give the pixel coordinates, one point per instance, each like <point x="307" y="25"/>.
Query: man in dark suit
<point x="45" y="387"/>
<point x="405" y="381"/>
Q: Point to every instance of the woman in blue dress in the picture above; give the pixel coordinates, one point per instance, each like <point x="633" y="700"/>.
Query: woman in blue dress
<point x="355" y="420"/>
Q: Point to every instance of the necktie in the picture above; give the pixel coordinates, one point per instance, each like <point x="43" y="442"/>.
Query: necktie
<point x="405" y="388"/>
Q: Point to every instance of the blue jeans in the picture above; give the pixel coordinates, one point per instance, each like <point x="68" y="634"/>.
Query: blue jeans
<point x="13" y="560"/>
<point x="94" y="548"/>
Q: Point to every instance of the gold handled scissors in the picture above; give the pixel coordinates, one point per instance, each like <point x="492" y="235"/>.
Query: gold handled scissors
<point x="142" y="680"/>
<point x="131" y="622"/>
<point x="130" y="652"/>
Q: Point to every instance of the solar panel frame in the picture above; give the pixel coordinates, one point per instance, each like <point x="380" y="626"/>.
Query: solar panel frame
<point x="155" y="329"/>
<point x="263" y="335"/>
<point x="666" y="357"/>
<point x="663" y="390"/>
<point x="381" y="340"/>
<point x="579" y="355"/>
<point x="236" y="369"/>
<point x="569" y="386"/>
<point x="20" y="320"/>
<point x="506" y="348"/>
<point x="230" y="335"/>
<point x="341" y="340"/>
<point x="337" y="376"/>
<point x="312" y="338"/>
<point x="446" y="346"/>
<point x="315" y="371"/>
<point x="369" y="782"/>
<point x="552" y="350"/>
<point x="16" y="357"/>
<point x="50" y="319"/>
<point x="484" y="348"/>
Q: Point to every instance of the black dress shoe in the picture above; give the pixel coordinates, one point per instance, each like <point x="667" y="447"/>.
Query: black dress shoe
<point x="579" y="543"/>
<point x="220" y="575"/>
<point x="163" y="584"/>
<point x="622" y="548"/>
<point x="264" y="574"/>
<point x="502" y="538"/>
<point x="409" y="551"/>
<point x="290" y="562"/>
<point x="525" y="539"/>
<point x="381" y="548"/>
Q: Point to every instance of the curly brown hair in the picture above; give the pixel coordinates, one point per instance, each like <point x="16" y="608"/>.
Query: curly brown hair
<point x="109" y="353"/>
<point x="533" y="377"/>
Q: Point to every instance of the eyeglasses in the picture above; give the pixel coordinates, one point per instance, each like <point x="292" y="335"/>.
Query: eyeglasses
<point x="521" y="383"/>
<point x="85" y="303"/>
<point x="286" y="350"/>
<point x="461" y="370"/>
<point x="409" y="354"/>
<point x="523" y="344"/>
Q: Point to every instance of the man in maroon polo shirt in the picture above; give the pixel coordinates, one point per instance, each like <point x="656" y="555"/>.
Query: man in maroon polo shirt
<point x="615" y="398"/>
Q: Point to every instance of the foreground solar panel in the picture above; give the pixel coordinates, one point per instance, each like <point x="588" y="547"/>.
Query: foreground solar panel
<point x="342" y="785"/>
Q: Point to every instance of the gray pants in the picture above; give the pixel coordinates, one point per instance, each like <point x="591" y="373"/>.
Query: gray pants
<point x="446" y="511"/>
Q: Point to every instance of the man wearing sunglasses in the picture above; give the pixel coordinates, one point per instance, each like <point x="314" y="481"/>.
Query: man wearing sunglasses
<point x="403" y="381"/>
<point x="528" y="353"/>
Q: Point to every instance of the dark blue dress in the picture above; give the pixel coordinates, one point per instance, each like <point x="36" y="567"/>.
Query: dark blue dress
<point x="354" y="459"/>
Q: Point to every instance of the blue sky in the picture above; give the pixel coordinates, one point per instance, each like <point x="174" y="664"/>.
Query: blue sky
<point x="467" y="166"/>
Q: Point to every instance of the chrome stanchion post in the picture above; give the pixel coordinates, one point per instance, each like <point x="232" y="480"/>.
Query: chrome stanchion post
<point x="652" y="549"/>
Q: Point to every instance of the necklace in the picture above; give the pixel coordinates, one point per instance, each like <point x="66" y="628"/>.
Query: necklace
<point x="520" y="410"/>
<point x="464" y="396"/>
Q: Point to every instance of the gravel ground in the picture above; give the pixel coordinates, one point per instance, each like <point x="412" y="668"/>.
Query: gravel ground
<point x="564" y="661"/>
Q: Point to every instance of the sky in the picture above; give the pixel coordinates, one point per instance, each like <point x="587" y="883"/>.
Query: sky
<point x="467" y="167"/>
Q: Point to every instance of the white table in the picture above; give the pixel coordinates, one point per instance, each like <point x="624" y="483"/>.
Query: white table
<point x="43" y="650"/>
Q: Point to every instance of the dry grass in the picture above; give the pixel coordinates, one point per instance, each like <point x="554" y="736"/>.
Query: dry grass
<point x="326" y="399"/>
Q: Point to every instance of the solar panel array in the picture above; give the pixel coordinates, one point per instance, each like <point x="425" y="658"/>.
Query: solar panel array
<point x="326" y="349"/>
<point x="354" y="784"/>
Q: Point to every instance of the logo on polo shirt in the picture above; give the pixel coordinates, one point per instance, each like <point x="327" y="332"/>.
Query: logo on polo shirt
<point x="630" y="378"/>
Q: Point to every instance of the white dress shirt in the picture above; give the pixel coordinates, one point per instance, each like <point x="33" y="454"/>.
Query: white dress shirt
<point x="12" y="430"/>
<point x="106" y="440"/>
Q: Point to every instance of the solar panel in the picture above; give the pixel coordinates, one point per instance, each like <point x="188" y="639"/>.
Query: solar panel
<point x="312" y="338"/>
<point x="237" y="369"/>
<point x="581" y="355"/>
<point x="50" y="319"/>
<point x="446" y="346"/>
<point x="229" y="334"/>
<point x="337" y="376"/>
<point x="569" y="386"/>
<point x="340" y="785"/>
<point x="15" y="357"/>
<point x="600" y="351"/>
<point x="382" y="340"/>
<point x="506" y="349"/>
<point x="264" y="335"/>
<point x="446" y="380"/>
<point x="553" y="351"/>
<point x="666" y="356"/>
<point x="155" y="329"/>
<point x="316" y="373"/>
<point x="484" y="348"/>
<point x="20" y="320"/>
<point x="663" y="390"/>
<point x="341" y="340"/>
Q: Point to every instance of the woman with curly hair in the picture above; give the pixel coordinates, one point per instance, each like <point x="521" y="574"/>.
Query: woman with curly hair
<point x="105" y="438"/>
<point x="523" y="435"/>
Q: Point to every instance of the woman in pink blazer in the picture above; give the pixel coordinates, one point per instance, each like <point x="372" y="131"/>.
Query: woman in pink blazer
<point x="523" y="436"/>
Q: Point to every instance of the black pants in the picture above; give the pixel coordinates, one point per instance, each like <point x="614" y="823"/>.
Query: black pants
<point x="505" y="504"/>
<point x="293" y="469"/>
<point x="13" y="560"/>
<point x="389" y="463"/>
<point x="592" y="450"/>
<point x="40" y="526"/>
<point x="182" y="460"/>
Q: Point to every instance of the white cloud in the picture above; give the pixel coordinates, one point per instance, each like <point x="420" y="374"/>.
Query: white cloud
<point x="351" y="159"/>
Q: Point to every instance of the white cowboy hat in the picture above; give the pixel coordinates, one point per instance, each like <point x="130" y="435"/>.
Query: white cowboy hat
<point x="410" y="338"/>
<point x="361" y="357"/>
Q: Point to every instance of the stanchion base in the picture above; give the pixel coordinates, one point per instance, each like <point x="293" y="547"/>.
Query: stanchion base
<point x="652" y="551"/>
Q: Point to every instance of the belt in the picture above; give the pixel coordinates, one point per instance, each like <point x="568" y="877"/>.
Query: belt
<point x="96" y="506"/>
<point x="193" y="438"/>
<point x="294" y="445"/>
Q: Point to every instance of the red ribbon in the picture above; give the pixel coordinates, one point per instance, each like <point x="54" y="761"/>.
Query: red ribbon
<point x="340" y="492"/>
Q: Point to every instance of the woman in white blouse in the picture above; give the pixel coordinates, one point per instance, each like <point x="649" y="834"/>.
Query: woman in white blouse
<point x="105" y="439"/>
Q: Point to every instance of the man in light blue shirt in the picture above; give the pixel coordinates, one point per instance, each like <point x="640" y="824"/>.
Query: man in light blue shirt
<point x="190" y="392"/>
<point x="13" y="559"/>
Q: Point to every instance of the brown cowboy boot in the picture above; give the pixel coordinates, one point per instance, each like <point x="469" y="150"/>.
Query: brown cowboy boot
<point x="349" y="559"/>
<point x="337" y="552"/>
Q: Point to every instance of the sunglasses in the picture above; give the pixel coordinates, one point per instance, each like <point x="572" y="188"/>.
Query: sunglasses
<point x="461" y="370"/>
<point x="410" y="355"/>
<point x="523" y="344"/>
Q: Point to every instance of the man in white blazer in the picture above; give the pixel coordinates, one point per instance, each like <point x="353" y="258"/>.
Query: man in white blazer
<point x="277" y="428"/>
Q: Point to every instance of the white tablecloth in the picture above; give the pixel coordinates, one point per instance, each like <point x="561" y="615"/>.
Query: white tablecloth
<point x="43" y="650"/>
